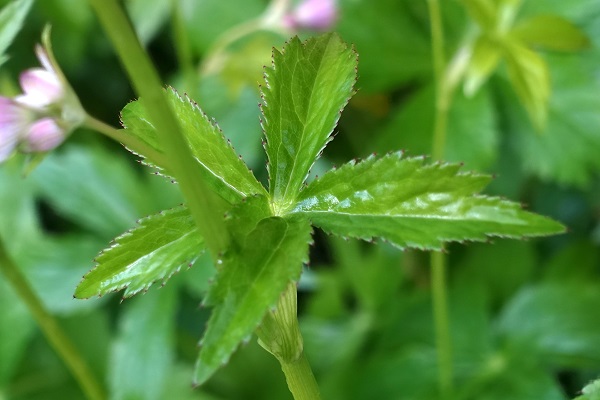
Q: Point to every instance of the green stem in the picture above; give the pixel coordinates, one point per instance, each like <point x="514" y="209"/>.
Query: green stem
<point x="51" y="329"/>
<point x="129" y="141"/>
<point x="442" y="322"/>
<point x="438" y="259"/>
<point x="206" y="207"/>
<point x="280" y="335"/>
<point x="300" y="379"/>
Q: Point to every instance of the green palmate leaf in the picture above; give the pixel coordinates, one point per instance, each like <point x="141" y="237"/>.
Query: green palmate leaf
<point x="252" y="276"/>
<point x="413" y="205"/>
<point x="222" y="169"/>
<point x="551" y="32"/>
<point x="307" y="87"/>
<point x="529" y="77"/>
<point x="154" y="250"/>
<point x="11" y="21"/>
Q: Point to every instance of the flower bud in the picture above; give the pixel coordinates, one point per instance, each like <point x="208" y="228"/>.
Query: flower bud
<point x="41" y="118"/>
<point x="43" y="135"/>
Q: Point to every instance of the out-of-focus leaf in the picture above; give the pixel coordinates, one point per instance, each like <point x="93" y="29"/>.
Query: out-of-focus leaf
<point x="143" y="353"/>
<point x="54" y="266"/>
<point x="413" y="205"/>
<point x="148" y="16"/>
<point x="93" y="188"/>
<point x="16" y="328"/>
<point x="242" y="66"/>
<point x="11" y="21"/>
<point x="553" y="322"/>
<point x="484" y="12"/>
<point x="529" y="77"/>
<point x="484" y="60"/>
<point x="307" y="87"/>
<point x="223" y="170"/>
<point x="472" y="128"/>
<point x="386" y="37"/>
<point x="250" y="280"/>
<point x="591" y="391"/>
<point x="567" y="151"/>
<point x="551" y="32"/>
<point x="206" y="20"/>
<point x="411" y="372"/>
<point x="153" y="251"/>
<point x="518" y="380"/>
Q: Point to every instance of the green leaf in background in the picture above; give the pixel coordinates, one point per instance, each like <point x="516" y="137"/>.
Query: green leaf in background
<point x="12" y="17"/>
<point x="16" y="329"/>
<point x="93" y="187"/>
<point x="530" y="78"/>
<point x="591" y="391"/>
<point x="472" y="128"/>
<point x="567" y="151"/>
<point x="143" y="352"/>
<point x="551" y="32"/>
<point x="206" y="20"/>
<point x="306" y="89"/>
<point x="386" y="36"/>
<point x="552" y="321"/>
<point x="486" y="55"/>
<point x="154" y="250"/>
<point x="250" y="280"/>
<point x="413" y="205"/>
<point x="223" y="170"/>
<point x="484" y="12"/>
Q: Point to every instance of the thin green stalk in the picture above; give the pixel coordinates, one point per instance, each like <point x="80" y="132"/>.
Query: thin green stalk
<point x="206" y="207"/>
<point x="51" y="329"/>
<point x="442" y="322"/>
<point x="280" y="335"/>
<point x="438" y="259"/>
<point x="131" y="142"/>
<point x="269" y="20"/>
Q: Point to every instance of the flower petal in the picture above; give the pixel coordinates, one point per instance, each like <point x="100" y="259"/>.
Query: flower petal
<point x="44" y="59"/>
<point x="315" y="14"/>
<point x="41" y="87"/>
<point x="13" y="122"/>
<point x="43" y="135"/>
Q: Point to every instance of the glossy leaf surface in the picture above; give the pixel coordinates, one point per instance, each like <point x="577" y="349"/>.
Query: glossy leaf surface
<point x="154" y="250"/>
<point x="307" y="87"/>
<point x="414" y="205"/>
<point x="250" y="281"/>
<point x="222" y="169"/>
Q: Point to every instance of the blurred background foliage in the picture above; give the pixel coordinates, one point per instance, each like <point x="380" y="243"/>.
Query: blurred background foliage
<point x="524" y="314"/>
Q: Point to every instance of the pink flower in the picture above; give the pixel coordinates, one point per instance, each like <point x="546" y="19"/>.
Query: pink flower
<point x="41" y="118"/>
<point x="318" y="15"/>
